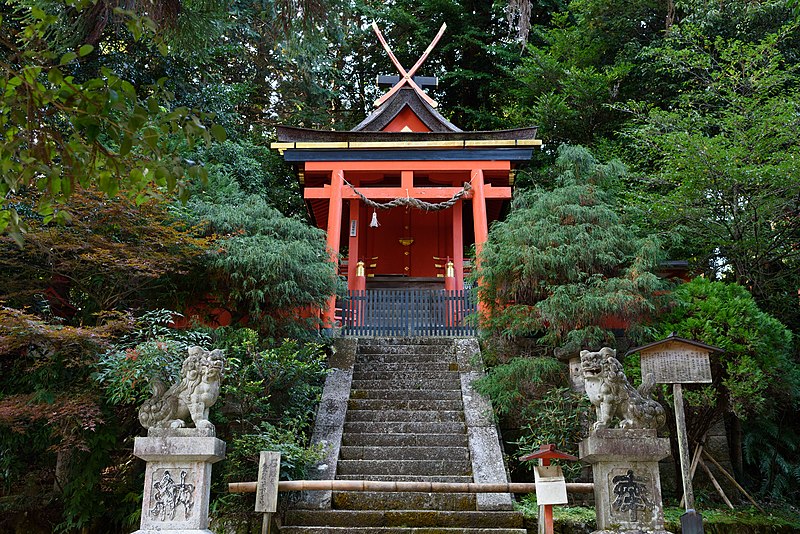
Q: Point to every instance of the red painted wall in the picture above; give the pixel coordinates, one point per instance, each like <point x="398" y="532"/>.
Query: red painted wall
<point x="406" y="117"/>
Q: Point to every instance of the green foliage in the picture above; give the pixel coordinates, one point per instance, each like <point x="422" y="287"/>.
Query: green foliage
<point x="511" y="385"/>
<point x="275" y="267"/>
<point x="273" y="386"/>
<point x="756" y="377"/>
<point x="771" y="446"/>
<point x="564" y="262"/>
<point x="257" y="170"/>
<point x="62" y="129"/>
<point x="296" y="455"/>
<point x="558" y="417"/>
<point x="270" y="399"/>
<point x="528" y="393"/>
<point x="756" y="371"/>
<point x="720" y="153"/>
<point x="151" y="351"/>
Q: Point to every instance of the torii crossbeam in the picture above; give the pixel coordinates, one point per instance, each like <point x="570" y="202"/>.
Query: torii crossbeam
<point x="407" y="77"/>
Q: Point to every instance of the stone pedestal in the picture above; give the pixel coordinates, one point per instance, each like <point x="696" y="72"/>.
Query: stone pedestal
<point x="627" y="488"/>
<point x="177" y="480"/>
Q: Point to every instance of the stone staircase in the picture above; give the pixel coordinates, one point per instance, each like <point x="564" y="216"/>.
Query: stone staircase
<point x="410" y="415"/>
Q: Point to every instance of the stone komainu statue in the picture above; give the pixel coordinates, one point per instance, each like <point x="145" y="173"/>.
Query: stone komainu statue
<point x="613" y="396"/>
<point x="190" y="398"/>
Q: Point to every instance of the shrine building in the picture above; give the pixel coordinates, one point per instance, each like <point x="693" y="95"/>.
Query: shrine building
<point x="405" y="194"/>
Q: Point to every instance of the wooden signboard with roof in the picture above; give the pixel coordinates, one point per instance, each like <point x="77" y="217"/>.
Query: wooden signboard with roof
<point x="677" y="361"/>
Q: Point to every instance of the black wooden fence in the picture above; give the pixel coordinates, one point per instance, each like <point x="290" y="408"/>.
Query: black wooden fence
<point x="407" y="312"/>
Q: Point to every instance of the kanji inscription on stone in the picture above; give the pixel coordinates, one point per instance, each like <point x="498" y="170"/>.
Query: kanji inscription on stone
<point x="677" y="365"/>
<point x="632" y="496"/>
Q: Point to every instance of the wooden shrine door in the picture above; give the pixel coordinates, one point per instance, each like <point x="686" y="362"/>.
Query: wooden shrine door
<point x="407" y="241"/>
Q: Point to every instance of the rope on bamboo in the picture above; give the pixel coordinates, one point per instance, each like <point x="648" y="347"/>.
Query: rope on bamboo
<point x="412" y="202"/>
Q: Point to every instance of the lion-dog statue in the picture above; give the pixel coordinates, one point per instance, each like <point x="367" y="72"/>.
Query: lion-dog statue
<point x="613" y="396"/>
<point x="189" y="399"/>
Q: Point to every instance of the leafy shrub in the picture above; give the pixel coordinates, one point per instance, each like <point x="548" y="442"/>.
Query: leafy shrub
<point x="558" y="417"/>
<point x="152" y="351"/>
<point x="510" y="386"/>
<point x="280" y="386"/>
<point x="564" y="262"/>
<point x="528" y="393"/>
<point x="756" y="380"/>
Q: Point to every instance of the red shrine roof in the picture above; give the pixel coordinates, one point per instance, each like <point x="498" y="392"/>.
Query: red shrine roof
<point x="406" y="97"/>
<point x="405" y="120"/>
<point x="371" y="132"/>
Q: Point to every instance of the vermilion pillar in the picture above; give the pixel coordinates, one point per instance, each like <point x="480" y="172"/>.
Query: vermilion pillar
<point x="353" y="254"/>
<point x="481" y="223"/>
<point x="458" y="243"/>
<point x="479" y="210"/>
<point x="334" y="235"/>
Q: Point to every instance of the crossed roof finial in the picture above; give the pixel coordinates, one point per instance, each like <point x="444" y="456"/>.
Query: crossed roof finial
<point x="407" y="77"/>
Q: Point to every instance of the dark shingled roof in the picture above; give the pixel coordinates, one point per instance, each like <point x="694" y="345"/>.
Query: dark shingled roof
<point x="370" y="129"/>
<point x="290" y="134"/>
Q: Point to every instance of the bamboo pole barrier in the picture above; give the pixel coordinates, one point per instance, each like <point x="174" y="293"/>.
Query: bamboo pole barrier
<point x="716" y="484"/>
<point x="421" y="487"/>
<point x="697" y="451"/>
<point x="733" y="480"/>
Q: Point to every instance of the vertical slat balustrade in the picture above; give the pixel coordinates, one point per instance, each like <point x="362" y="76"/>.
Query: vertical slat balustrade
<point x="406" y="312"/>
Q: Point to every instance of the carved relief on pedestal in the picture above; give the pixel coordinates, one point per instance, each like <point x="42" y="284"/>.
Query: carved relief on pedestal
<point x="172" y="492"/>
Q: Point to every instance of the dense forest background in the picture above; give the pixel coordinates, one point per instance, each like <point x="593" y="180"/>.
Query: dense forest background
<point x="136" y="181"/>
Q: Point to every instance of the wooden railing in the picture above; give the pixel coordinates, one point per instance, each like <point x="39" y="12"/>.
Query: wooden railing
<point x="407" y="312"/>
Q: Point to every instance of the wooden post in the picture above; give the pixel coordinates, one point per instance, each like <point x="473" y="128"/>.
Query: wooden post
<point x="545" y="522"/>
<point x="458" y="243"/>
<point x="334" y="235"/>
<point x="716" y="484"/>
<point x="353" y="253"/>
<point x="480" y="220"/>
<point x="697" y="451"/>
<point x="683" y="446"/>
<point x="269" y="467"/>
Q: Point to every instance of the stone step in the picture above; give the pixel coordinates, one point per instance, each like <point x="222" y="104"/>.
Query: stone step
<point x="404" y="518"/>
<point x="449" y="467"/>
<point x="371" y="366"/>
<point x="388" y="453"/>
<point x="416" y="383"/>
<point x="420" y="416"/>
<point x="390" y="500"/>
<point x="404" y="404"/>
<point x="386" y="439"/>
<point x="397" y="530"/>
<point x="410" y="375"/>
<point x="426" y="349"/>
<point x="402" y="427"/>
<point x="405" y="394"/>
<point x="401" y="340"/>
<point x="409" y="478"/>
<point x="410" y="359"/>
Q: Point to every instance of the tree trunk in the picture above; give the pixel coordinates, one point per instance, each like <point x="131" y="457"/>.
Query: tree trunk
<point x="735" y="445"/>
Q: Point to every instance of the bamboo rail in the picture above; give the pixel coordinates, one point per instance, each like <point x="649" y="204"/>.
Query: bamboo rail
<point x="422" y="487"/>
